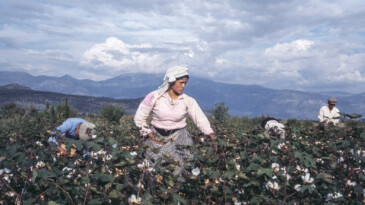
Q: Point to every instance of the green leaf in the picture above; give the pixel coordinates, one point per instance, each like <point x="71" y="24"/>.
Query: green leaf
<point x="253" y="167"/>
<point x="362" y="136"/>
<point x="264" y="136"/>
<point x="325" y="177"/>
<point x="266" y="171"/>
<point x="214" y="189"/>
<point x="121" y="164"/>
<point x="85" y="180"/>
<point x="44" y="174"/>
<point x="35" y="175"/>
<point x="77" y="143"/>
<point x="178" y="198"/>
<point x="29" y="201"/>
<point x="146" y="196"/>
<point x="92" y="146"/>
<point x="10" y="151"/>
<point x="112" y="141"/>
<point x="228" y="174"/>
<point x="95" y="202"/>
<point x="114" y="194"/>
<point x="242" y="175"/>
<point x="104" y="177"/>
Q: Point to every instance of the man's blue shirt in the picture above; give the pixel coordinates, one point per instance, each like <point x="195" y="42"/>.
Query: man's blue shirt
<point x="69" y="127"/>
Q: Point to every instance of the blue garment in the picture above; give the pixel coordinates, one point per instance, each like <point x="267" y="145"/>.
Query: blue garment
<point x="69" y="127"/>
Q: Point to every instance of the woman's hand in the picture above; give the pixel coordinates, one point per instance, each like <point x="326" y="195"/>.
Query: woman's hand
<point x="213" y="137"/>
<point x="150" y="135"/>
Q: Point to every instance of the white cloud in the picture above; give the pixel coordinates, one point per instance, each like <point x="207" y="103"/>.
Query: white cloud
<point x="279" y="44"/>
<point x="287" y="51"/>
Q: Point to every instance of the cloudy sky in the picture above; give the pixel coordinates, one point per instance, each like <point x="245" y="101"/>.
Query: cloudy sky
<point x="312" y="45"/>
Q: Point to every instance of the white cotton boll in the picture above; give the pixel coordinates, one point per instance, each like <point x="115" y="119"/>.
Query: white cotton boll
<point x="6" y="178"/>
<point x="340" y="160"/>
<point x="39" y="143"/>
<point x="275" y="167"/>
<point x="298" y="187"/>
<point x="298" y="168"/>
<point x="202" y="139"/>
<point x="109" y="157"/>
<point x="307" y="179"/>
<point x="288" y="177"/>
<point x="352" y="151"/>
<point x="276" y="186"/>
<point x="337" y="195"/>
<point x="134" y="199"/>
<point x="69" y="176"/>
<point x="6" y="170"/>
<point x="349" y="183"/>
<point x="140" y="165"/>
<point x="274" y="177"/>
<point x="236" y="202"/>
<point x="40" y="164"/>
<point x="282" y="146"/>
<point x="238" y="166"/>
<point x="329" y="197"/>
<point x="10" y="193"/>
<point x="269" y="185"/>
<point x="195" y="171"/>
<point x="115" y="145"/>
<point x="133" y="153"/>
<point x="306" y="170"/>
<point x="66" y="169"/>
<point x="242" y="191"/>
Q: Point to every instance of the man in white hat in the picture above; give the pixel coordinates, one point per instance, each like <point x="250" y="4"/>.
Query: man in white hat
<point x="329" y="115"/>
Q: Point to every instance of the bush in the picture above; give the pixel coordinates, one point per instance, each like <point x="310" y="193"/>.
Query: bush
<point x="111" y="113"/>
<point x="220" y="112"/>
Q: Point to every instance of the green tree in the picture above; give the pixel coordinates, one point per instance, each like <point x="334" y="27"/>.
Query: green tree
<point x="64" y="110"/>
<point x="11" y="109"/>
<point x="220" y="112"/>
<point x="111" y="113"/>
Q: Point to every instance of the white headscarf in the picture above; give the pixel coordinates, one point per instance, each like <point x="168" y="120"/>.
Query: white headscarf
<point x="170" y="76"/>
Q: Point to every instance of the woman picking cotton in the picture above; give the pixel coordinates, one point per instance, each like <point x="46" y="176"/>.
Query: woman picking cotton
<point x="168" y="106"/>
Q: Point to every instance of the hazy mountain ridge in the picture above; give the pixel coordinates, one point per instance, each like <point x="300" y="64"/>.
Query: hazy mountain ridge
<point x="26" y="97"/>
<point x="250" y="100"/>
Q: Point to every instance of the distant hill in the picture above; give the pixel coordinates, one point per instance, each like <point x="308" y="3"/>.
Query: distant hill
<point x="242" y="100"/>
<point x="25" y="97"/>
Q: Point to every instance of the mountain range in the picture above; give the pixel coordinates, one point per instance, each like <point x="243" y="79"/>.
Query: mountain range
<point x="242" y="100"/>
<point x="25" y="97"/>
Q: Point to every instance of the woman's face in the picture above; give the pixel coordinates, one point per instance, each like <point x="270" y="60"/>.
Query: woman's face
<point x="179" y="85"/>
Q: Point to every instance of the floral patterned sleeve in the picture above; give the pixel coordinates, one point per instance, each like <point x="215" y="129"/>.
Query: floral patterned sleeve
<point x="143" y="111"/>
